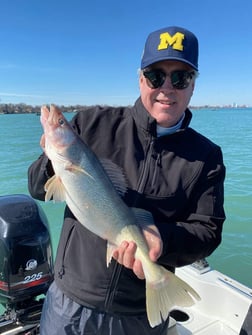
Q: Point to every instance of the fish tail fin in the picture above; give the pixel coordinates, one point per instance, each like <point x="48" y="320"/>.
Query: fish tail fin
<point x="161" y="297"/>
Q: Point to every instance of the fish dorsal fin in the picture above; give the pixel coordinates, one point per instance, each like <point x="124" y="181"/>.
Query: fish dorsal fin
<point x="143" y="218"/>
<point x="145" y="221"/>
<point x="116" y="175"/>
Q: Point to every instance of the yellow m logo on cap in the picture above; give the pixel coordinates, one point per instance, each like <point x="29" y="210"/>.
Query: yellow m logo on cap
<point x="176" y="41"/>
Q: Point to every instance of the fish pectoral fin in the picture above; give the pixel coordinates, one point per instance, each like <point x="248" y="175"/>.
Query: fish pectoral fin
<point x="110" y="249"/>
<point x="76" y="168"/>
<point x="162" y="297"/>
<point x="55" y="189"/>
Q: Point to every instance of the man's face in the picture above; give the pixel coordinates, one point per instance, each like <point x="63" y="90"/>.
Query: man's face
<point x="166" y="104"/>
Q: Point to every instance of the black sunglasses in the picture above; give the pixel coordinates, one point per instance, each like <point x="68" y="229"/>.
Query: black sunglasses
<point x="180" y="79"/>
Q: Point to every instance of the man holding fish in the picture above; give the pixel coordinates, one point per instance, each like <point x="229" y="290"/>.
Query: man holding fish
<point x="144" y="194"/>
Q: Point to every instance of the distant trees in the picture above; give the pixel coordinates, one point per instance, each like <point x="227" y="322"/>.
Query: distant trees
<point x="18" y="108"/>
<point x="22" y="108"/>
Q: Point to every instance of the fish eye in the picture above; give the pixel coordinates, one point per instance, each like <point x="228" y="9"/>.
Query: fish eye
<point x="61" y="122"/>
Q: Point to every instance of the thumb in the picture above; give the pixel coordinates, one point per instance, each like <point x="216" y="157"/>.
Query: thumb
<point x="154" y="241"/>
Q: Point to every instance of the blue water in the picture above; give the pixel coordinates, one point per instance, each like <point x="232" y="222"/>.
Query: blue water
<point x="230" y="128"/>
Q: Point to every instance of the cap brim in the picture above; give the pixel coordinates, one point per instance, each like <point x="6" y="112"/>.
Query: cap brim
<point x="146" y="64"/>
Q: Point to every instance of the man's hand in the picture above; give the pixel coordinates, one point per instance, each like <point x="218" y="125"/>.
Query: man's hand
<point x="125" y="253"/>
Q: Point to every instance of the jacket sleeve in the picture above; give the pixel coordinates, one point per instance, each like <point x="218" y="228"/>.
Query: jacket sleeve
<point x="38" y="173"/>
<point x="199" y="233"/>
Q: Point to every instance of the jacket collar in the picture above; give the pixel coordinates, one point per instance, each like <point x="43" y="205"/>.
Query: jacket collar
<point x="145" y="121"/>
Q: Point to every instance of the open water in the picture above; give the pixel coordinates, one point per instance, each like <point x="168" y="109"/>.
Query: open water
<point x="230" y="128"/>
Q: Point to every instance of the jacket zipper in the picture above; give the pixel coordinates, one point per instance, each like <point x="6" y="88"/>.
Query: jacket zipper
<point x="112" y="286"/>
<point x="61" y="271"/>
<point x="140" y="188"/>
<point x="144" y="175"/>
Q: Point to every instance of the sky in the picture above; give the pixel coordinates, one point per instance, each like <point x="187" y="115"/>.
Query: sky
<point x="88" y="52"/>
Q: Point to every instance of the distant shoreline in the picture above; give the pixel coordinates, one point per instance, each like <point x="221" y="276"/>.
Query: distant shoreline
<point x="28" y="109"/>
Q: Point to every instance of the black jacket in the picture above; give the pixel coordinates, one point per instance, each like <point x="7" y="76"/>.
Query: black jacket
<point x="178" y="177"/>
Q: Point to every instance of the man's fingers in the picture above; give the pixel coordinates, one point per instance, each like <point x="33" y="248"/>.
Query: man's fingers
<point x="138" y="269"/>
<point x="129" y="255"/>
<point x="125" y="253"/>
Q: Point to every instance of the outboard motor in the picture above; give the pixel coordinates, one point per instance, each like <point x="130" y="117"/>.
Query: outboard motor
<point x="26" y="263"/>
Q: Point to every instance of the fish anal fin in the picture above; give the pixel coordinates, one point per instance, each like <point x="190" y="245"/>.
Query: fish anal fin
<point x="110" y="249"/>
<point x="55" y="189"/>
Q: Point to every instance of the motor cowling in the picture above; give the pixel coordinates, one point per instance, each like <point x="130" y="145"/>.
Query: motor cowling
<point x="26" y="259"/>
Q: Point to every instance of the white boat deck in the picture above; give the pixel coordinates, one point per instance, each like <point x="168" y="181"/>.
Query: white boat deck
<point x="223" y="307"/>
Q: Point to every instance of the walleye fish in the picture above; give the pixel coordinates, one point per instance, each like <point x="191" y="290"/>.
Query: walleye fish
<point x="81" y="181"/>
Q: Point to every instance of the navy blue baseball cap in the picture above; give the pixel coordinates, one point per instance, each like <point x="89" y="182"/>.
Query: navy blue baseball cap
<point x="171" y="43"/>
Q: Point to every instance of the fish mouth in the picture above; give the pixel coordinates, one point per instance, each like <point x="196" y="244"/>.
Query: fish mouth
<point x="53" y="117"/>
<point x="44" y="115"/>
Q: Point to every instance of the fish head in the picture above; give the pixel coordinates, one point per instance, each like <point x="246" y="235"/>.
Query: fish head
<point x="58" y="132"/>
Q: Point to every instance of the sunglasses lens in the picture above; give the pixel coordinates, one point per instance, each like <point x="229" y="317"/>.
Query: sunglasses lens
<point x="155" y="78"/>
<point x="180" y="79"/>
